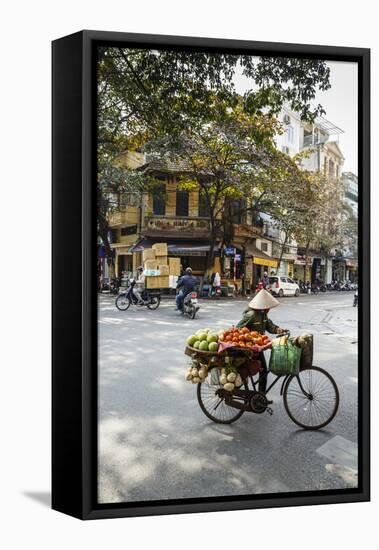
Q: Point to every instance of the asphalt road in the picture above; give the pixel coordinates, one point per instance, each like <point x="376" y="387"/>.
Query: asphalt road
<point x="154" y="440"/>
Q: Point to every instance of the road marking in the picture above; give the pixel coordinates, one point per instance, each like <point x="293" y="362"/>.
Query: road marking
<point x="341" y="451"/>
<point x="350" y="477"/>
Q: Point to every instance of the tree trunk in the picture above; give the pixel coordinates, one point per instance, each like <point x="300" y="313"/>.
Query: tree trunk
<point x="103" y="230"/>
<point x="282" y="252"/>
<point x="306" y="261"/>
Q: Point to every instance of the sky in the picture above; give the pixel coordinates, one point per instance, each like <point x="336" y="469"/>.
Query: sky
<point x="341" y="105"/>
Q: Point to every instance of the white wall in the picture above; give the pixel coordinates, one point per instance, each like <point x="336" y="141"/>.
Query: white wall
<point x="27" y="29"/>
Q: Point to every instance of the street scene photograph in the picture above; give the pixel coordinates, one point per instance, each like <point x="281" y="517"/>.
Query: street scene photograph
<point x="227" y="274"/>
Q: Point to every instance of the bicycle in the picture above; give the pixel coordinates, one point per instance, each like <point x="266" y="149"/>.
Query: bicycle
<point x="310" y="398"/>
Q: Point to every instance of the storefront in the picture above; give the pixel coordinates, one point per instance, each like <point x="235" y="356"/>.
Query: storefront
<point x="339" y="269"/>
<point x="123" y="259"/>
<point x="192" y="254"/>
<point x="352" y="270"/>
<point x="302" y="268"/>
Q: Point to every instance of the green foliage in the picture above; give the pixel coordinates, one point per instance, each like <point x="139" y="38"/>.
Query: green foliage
<point x="146" y="95"/>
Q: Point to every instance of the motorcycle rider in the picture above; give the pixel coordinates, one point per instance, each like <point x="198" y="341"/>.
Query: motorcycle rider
<point x="186" y="284"/>
<point x="139" y="286"/>
<point x="266" y="281"/>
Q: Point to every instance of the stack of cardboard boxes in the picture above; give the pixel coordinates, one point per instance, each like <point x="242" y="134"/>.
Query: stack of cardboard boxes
<point x="160" y="270"/>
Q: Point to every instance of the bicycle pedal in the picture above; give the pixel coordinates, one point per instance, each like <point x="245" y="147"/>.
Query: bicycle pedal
<point x="270" y="411"/>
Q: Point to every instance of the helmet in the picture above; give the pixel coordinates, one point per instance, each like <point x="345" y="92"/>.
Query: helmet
<point x="189" y="271"/>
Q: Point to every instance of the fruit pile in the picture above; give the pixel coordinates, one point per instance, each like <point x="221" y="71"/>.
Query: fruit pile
<point x="204" y="340"/>
<point x="196" y="372"/>
<point x="244" y="338"/>
<point x="230" y="378"/>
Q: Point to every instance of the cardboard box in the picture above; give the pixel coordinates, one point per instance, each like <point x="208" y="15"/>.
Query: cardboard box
<point x="160" y="249"/>
<point x="151" y="282"/>
<point x="162" y="260"/>
<point x="148" y="254"/>
<point x="163" y="270"/>
<point x="157" y="282"/>
<point x="174" y="266"/>
<point x="150" y="264"/>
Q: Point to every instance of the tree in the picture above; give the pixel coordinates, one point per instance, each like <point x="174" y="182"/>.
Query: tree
<point x="319" y="218"/>
<point x="232" y="157"/>
<point x="146" y="94"/>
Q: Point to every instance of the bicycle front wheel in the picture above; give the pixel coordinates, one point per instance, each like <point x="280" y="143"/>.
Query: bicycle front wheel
<point x="311" y="398"/>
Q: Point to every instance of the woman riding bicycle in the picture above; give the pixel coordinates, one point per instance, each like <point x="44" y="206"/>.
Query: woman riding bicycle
<point x="255" y="318"/>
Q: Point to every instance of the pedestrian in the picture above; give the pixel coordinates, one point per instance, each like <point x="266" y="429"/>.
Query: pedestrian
<point x="211" y="281"/>
<point x="255" y="317"/>
<point x="216" y="283"/>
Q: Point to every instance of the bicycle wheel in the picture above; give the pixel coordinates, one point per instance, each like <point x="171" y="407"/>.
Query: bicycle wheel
<point x="311" y="398"/>
<point x="154" y="302"/>
<point x="122" y="302"/>
<point x="212" y="404"/>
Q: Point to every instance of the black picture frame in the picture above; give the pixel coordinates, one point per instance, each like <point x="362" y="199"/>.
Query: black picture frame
<point x="74" y="335"/>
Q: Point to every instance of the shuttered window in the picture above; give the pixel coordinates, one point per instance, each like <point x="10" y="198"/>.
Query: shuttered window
<point x="204" y="210"/>
<point x="159" y="200"/>
<point x="182" y="199"/>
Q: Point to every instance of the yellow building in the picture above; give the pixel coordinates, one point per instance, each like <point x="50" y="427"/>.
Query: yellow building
<point x="180" y="218"/>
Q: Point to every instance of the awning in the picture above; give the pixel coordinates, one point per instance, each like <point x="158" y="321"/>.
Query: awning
<point x="259" y="257"/>
<point x="177" y="248"/>
<point x="264" y="262"/>
<point x="141" y="245"/>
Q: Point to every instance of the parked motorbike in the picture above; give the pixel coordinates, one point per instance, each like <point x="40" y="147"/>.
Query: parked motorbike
<point x="190" y="305"/>
<point x="315" y="289"/>
<point x="111" y="286"/>
<point x="322" y="286"/>
<point x="151" y="298"/>
<point x="303" y="287"/>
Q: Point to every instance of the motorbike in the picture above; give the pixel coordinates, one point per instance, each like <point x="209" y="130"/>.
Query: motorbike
<point x="190" y="305"/>
<point x="315" y="289"/>
<point x="303" y="287"/>
<point x="151" y="298"/>
<point x="355" y="302"/>
<point x="322" y="286"/>
<point x="111" y="286"/>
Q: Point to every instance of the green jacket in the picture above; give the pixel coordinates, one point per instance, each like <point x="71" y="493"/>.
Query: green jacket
<point x="257" y="320"/>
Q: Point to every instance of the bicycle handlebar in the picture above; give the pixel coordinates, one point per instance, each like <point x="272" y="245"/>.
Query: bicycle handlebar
<point x="284" y="333"/>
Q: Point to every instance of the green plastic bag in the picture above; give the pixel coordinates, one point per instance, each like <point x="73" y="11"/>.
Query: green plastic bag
<point x="285" y="356"/>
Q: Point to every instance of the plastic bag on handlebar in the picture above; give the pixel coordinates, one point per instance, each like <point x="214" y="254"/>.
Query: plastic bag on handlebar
<point x="285" y="356"/>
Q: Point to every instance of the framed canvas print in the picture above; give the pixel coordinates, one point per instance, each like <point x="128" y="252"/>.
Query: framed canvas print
<point x="210" y="274"/>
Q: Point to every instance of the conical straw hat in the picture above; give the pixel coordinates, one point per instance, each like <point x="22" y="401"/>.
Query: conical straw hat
<point x="263" y="300"/>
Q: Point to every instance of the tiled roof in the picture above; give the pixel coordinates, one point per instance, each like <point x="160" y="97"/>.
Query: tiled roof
<point x="156" y="163"/>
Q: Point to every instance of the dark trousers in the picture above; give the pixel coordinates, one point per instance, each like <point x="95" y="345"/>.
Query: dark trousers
<point x="262" y="382"/>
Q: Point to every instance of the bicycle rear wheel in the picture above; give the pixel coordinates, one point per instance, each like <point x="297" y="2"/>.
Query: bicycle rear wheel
<point x="212" y="404"/>
<point x="311" y="398"/>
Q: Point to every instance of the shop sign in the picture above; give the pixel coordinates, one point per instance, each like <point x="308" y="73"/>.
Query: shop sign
<point x="268" y="263"/>
<point x="230" y="251"/>
<point x="237" y="257"/>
